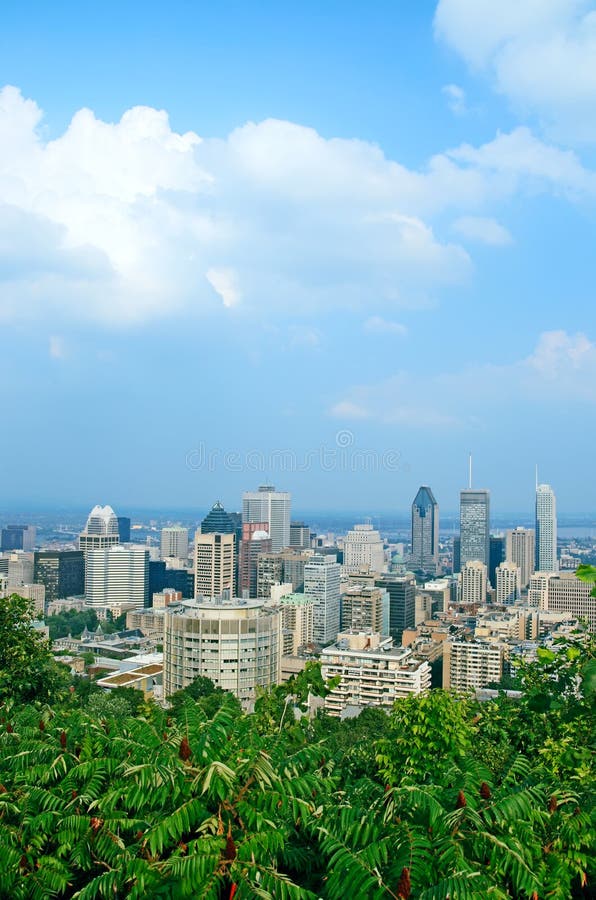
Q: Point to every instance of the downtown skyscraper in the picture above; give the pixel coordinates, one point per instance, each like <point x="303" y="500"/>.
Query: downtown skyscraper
<point x="520" y="549"/>
<point x="425" y="532"/>
<point x="474" y="524"/>
<point x="322" y="576"/>
<point x="270" y="506"/>
<point x="101" y="529"/>
<point x="546" y="529"/>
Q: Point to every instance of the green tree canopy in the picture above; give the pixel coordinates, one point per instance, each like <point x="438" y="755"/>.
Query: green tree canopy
<point x="28" y="671"/>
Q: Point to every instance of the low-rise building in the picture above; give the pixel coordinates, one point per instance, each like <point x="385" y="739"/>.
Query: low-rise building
<point x="372" y="672"/>
<point x="143" y="673"/>
<point x="517" y="623"/>
<point x="148" y="619"/>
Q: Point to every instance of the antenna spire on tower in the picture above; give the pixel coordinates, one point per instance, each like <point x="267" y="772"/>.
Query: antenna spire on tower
<point x="470" y="472"/>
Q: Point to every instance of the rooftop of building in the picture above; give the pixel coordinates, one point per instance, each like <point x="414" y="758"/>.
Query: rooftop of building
<point x="217" y="521"/>
<point x="367" y="643"/>
<point x="129" y="678"/>
<point x="363" y="588"/>
<point x="295" y="599"/>
<point x="216" y="604"/>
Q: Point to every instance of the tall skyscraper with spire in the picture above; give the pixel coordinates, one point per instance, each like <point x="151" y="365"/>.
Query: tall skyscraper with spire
<point x="546" y="529"/>
<point x="474" y="524"/>
<point x="425" y="531"/>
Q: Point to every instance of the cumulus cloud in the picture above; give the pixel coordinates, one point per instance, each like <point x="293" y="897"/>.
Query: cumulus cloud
<point x="456" y="99"/>
<point x="122" y="222"/>
<point x="482" y="229"/>
<point x="561" y="368"/>
<point x="379" y="325"/>
<point x="519" y="157"/>
<point x="540" y="53"/>
<point x="558" y="353"/>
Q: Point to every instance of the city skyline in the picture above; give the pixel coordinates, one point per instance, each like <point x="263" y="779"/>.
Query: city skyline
<point x="273" y="277"/>
<point x="204" y="507"/>
<point x="366" y="218"/>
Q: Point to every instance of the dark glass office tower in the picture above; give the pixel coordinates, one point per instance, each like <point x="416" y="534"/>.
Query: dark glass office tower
<point x="425" y="532"/>
<point x="18" y="537"/>
<point x="217" y="521"/>
<point x="124" y="529"/>
<point x="402" y="603"/>
<point x="61" y="571"/>
<point x="496" y="557"/>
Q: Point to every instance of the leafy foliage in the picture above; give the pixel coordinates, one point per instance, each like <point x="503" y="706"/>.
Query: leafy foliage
<point x="27" y="668"/>
<point x="442" y="798"/>
<point x="74" y="622"/>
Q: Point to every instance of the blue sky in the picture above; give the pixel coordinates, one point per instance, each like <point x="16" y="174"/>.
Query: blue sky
<point x="345" y="243"/>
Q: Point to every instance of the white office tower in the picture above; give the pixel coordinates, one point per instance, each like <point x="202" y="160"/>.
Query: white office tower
<point x="236" y="643"/>
<point x="174" y="542"/>
<point x="546" y="529"/>
<point x="520" y="550"/>
<point x="215" y="564"/>
<point x="472" y="582"/>
<point x="363" y="549"/>
<point x="508" y="583"/>
<point x="269" y="505"/>
<point x="322" y="575"/>
<point x="101" y="529"/>
<point x="117" y="575"/>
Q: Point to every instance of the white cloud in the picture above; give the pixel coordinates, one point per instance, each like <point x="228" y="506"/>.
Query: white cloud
<point x="122" y="222"/>
<point x="57" y="347"/>
<point x="540" y="53"/>
<point x="485" y="230"/>
<point x="379" y="325"/>
<point x="456" y="99"/>
<point x="560" y="370"/>
<point x="347" y="409"/>
<point x="136" y="221"/>
<point x="558" y="353"/>
<point x="519" y="156"/>
<point x="224" y="283"/>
